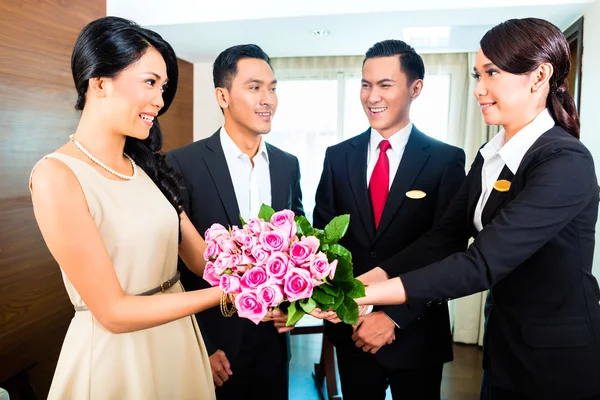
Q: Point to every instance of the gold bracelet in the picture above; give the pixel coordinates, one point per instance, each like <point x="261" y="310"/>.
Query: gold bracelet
<point x="225" y="310"/>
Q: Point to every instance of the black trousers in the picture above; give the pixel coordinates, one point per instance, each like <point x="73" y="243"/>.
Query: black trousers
<point x="260" y="369"/>
<point x="489" y="392"/>
<point x="362" y="377"/>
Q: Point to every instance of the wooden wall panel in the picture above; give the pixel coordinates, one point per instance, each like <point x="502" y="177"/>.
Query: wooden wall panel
<point x="36" y="117"/>
<point x="37" y="97"/>
<point x="178" y="122"/>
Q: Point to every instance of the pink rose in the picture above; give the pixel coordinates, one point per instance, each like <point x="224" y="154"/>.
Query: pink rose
<point x="270" y="294"/>
<point x="245" y="263"/>
<point x="210" y="275"/>
<point x="253" y="278"/>
<point x="241" y="237"/>
<point x="257" y="226"/>
<point x="283" y="221"/>
<point x="298" y="285"/>
<point x="302" y="250"/>
<point x="240" y="269"/>
<point x="215" y="231"/>
<point x="226" y="261"/>
<point x="273" y="241"/>
<point x="260" y="254"/>
<point x="313" y="242"/>
<point x="251" y="242"/>
<point x="333" y="267"/>
<point x="320" y="267"/>
<point x="230" y="283"/>
<point x="212" y="251"/>
<point x="248" y="306"/>
<point x="227" y="244"/>
<point x="278" y="266"/>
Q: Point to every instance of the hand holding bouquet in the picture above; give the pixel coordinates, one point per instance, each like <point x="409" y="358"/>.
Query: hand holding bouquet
<point x="279" y="258"/>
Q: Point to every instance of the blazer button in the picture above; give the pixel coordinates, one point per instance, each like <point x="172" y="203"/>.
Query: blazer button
<point x="373" y="254"/>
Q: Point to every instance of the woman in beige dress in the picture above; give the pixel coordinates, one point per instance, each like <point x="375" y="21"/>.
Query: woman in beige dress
<point x="107" y="206"/>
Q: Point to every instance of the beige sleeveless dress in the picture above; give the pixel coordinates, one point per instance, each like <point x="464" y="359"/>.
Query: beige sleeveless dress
<point x="140" y="230"/>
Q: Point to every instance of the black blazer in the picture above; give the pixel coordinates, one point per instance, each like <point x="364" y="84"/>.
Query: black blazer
<point x="535" y="253"/>
<point x="208" y="198"/>
<point x="429" y="165"/>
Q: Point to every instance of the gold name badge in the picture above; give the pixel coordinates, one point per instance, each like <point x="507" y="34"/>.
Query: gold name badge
<point x="502" y="185"/>
<point x="415" y="194"/>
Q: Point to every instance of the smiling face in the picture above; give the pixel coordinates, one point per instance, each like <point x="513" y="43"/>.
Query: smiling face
<point x="135" y="96"/>
<point x="504" y="98"/>
<point x="250" y="103"/>
<point x="386" y="94"/>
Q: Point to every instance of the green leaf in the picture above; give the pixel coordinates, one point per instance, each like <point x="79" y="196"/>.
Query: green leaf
<point x="266" y="213"/>
<point x="308" y="305"/>
<point x="338" y="301"/>
<point x="324" y="248"/>
<point x="336" y="229"/>
<point x="321" y="297"/>
<point x="242" y="220"/>
<point x="348" y="311"/>
<point x="340" y="251"/>
<point x="304" y="228"/>
<point x="343" y="272"/>
<point x="329" y="289"/>
<point x="294" y="314"/>
<point x="358" y="290"/>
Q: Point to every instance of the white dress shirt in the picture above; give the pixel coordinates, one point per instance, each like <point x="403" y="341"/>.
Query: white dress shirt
<point x="252" y="185"/>
<point x="496" y="154"/>
<point x="397" y="142"/>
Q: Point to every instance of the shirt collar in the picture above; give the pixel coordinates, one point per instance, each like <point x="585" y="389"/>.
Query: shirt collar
<point x="397" y="141"/>
<point x="231" y="150"/>
<point x="513" y="151"/>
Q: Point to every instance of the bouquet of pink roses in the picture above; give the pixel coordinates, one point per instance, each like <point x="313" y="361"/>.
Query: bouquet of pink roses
<point x="280" y="258"/>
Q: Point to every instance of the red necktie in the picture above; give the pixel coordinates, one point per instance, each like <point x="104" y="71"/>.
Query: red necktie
<point x="380" y="182"/>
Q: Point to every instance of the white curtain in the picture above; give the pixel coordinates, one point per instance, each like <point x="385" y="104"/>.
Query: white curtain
<point x="319" y="106"/>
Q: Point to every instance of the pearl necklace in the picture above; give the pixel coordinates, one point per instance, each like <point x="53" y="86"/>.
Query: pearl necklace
<point x="104" y="166"/>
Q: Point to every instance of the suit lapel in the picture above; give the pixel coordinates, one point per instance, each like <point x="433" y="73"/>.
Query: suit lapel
<point x="497" y="199"/>
<point x="219" y="172"/>
<point x="412" y="162"/>
<point x="278" y="180"/>
<point x="356" y="163"/>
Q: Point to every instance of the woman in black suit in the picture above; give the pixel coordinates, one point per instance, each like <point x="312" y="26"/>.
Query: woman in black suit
<point x="531" y="202"/>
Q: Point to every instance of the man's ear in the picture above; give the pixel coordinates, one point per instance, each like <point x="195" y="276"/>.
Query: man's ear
<point x="222" y="95"/>
<point x="415" y="88"/>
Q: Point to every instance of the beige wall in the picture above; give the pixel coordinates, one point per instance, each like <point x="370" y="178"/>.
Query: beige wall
<point x="590" y="81"/>
<point x="207" y="114"/>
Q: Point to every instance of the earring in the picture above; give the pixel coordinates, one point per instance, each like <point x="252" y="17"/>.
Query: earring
<point x="534" y="89"/>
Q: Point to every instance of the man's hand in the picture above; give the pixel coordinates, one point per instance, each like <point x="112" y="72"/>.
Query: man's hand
<point x="374" y="331"/>
<point x="279" y="321"/>
<point x="221" y="369"/>
<point x="329" y="315"/>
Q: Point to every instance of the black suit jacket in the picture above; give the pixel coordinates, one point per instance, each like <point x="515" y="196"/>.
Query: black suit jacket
<point x="209" y="198"/>
<point x="429" y="165"/>
<point x="535" y="253"/>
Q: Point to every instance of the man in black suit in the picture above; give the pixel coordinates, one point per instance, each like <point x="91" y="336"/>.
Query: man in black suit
<point x="227" y="175"/>
<point x="395" y="182"/>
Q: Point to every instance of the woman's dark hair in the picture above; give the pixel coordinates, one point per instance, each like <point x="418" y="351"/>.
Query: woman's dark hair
<point x="519" y="46"/>
<point x="104" y="48"/>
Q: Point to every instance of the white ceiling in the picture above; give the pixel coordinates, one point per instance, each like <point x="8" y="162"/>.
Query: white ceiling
<point x="199" y="30"/>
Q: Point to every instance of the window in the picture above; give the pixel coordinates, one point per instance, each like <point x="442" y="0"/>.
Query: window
<point x="315" y="114"/>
